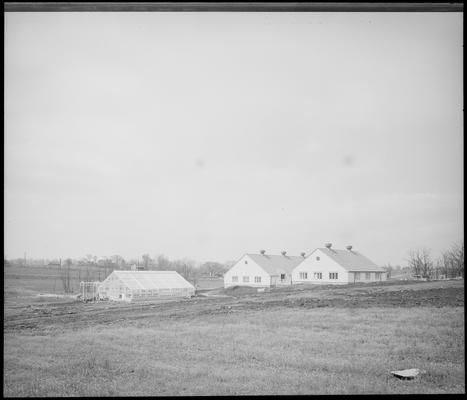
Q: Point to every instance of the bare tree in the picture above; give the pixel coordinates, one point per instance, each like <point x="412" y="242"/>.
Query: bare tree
<point x="146" y="261"/>
<point x="444" y="265"/>
<point x="452" y="261"/>
<point x="190" y="272"/>
<point x="212" y="268"/>
<point x="162" y="262"/>
<point x="420" y="262"/>
<point x="457" y="255"/>
<point x="414" y="262"/>
<point x="65" y="275"/>
<point x="388" y="268"/>
<point x="118" y="260"/>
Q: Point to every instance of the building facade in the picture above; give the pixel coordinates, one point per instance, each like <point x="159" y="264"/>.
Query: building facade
<point x="262" y="270"/>
<point x="332" y="266"/>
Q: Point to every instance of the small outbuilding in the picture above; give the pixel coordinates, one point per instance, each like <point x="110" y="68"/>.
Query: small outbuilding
<point x="144" y="286"/>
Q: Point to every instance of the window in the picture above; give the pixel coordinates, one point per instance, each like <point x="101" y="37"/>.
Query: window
<point x="377" y="275"/>
<point x="317" y="258"/>
<point x="234" y="278"/>
<point x="318" y="275"/>
<point x="333" y="275"/>
<point x="303" y="275"/>
<point x="246" y="279"/>
<point x="282" y="277"/>
<point x="246" y="262"/>
<point x="367" y="276"/>
<point x="257" y="279"/>
<point x="357" y="276"/>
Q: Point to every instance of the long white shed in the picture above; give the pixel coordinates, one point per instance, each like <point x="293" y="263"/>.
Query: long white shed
<point x="144" y="286"/>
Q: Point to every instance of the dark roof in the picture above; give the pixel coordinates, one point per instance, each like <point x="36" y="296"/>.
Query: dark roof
<point x="351" y="260"/>
<point x="276" y="264"/>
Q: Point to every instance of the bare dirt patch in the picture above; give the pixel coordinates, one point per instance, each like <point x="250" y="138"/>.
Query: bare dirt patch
<point x="72" y="315"/>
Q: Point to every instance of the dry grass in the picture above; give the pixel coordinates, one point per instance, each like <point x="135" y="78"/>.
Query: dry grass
<point x="287" y="351"/>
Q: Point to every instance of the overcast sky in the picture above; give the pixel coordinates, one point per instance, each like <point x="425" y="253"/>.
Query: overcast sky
<point x="208" y="135"/>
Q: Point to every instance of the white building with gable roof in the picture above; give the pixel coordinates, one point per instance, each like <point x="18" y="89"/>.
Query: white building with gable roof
<point x="332" y="266"/>
<point x="262" y="270"/>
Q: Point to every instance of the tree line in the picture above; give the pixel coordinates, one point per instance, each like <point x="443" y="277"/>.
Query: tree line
<point x="185" y="267"/>
<point x="449" y="265"/>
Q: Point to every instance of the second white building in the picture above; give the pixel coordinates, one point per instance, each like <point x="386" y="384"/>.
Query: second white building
<point x="332" y="266"/>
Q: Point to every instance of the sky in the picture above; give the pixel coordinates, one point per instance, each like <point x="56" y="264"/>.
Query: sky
<point x="210" y="135"/>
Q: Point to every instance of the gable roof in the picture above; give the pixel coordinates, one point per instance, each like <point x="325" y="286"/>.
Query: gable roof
<point x="351" y="260"/>
<point x="276" y="264"/>
<point x="147" y="280"/>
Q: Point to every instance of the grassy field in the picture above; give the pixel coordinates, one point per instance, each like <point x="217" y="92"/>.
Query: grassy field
<point x="300" y="340"/>
<point x="25" y="283"/>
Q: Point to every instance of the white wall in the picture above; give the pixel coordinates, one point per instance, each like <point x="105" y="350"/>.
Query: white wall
<point x="276" y="280"/>
<point x="111" y="288"/>
<point x="325" y="265"/>
<point x="250" y="269"/>
<point x="363" y="277"/>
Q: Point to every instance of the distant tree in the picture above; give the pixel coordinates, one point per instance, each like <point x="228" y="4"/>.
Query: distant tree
<point x="388" y="268"/>
<point x="457" y="257"/>
<point x="118" y="260"/>
<point x="189" y="261"/>
<point x="190" y="272"/>
<point x="162" y="262"/>
<point x="65" y="275"/>
<point x="146" y="261"/>
<point x="212" y="268"/>
<point x="452" y="261"/>
<point x="176" y="265"/>
<point x="438" y="268"/>
<point x="420" y="262"/>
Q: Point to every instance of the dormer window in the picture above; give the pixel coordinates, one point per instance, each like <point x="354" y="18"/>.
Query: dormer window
<point x="317" y="258"/>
